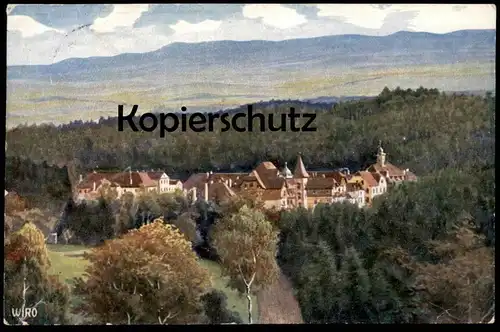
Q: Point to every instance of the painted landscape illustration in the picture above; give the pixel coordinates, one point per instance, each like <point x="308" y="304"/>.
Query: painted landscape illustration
<point x="383" y="212"/>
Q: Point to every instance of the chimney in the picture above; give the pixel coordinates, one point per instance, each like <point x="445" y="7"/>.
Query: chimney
<point x="81" y="178"/>
<point x="206" y="191"/>
<point x="230" y="183"/>
<point x="130" y="176"/>
<point x="195" y="196"/>
<point x="323" y="175"/>
<point x="94" y="187"/>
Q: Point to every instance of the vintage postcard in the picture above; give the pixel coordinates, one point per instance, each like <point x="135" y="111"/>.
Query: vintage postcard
<point x="250" y="164"/>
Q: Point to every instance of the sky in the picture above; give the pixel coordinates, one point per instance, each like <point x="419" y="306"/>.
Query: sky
<point x="45" y="34"/>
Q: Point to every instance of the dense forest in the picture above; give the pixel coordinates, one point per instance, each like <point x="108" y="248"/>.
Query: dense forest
<point x="38" y="183"/>
<point x="423" y="129"/>
<point x="424" y="253"/>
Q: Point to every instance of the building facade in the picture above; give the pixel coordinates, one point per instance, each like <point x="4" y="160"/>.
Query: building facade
<point x="135" y="182"/>
<point x="301" y="188"/>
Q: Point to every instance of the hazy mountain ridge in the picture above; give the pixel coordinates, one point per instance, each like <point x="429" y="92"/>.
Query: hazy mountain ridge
<point x="354" y="51"/>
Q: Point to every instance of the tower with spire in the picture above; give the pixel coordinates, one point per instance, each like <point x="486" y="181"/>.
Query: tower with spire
<point x="301" y="176"/>
<point x="381" y="155"/>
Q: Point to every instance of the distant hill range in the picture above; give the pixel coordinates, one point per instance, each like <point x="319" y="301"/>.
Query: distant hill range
<point x="277" y="58"/>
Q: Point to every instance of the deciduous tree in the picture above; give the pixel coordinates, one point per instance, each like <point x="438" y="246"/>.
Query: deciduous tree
<point x="148" y="276"/>
<point x="28" y="285"/>
<point x="247" y="245"/>
<point x="460" y="287"/>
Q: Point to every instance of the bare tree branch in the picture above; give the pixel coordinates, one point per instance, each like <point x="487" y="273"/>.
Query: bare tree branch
<point x="169" y="316"/>
<point x="444" y="311"/>
<point x="243" y="276"/>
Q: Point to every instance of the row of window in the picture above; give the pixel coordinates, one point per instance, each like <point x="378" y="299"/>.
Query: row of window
<point x="378" y="190"/>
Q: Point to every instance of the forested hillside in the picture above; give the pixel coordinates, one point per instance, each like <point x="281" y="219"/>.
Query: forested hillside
<point x="423" y="130"/>
<point x="424" y="253"/>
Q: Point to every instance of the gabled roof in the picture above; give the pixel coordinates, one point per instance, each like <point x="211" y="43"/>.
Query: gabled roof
<point x="196" y="180"/>
<point x="320" y="183"/>
<point x="268" y="176"/>
<point x="223" y="177"/>
<point x="388" y="167"/>
<point x="377" y="176"/>
<point x="94" y="177"/>
<point x="220" y="191"/>
<point x="300" y="169"/>
<point x="368" y="179"/>
<point x="338" y="176"/>
<point x="132" y="180"/>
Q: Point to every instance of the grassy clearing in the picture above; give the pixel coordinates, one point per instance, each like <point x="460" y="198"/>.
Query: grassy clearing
<point x="235" y="301"/>
<point x="67" y="263"/>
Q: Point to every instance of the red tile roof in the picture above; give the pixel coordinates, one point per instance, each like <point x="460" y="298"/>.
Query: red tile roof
<point x="94" y="177"/>
<point x="387" y="168"/>
<point x="220" y="191"/>
<point x="377" y="176"/>
<point x="321" y="183"/>
<point x="122" y="179"/>
<point x="368" y="179"/>
<point x="196" y="180"/>
<point x="155" y="175"/>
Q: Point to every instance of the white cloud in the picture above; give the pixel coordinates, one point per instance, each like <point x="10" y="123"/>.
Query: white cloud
<point x="366" y="16"/>
<point x="436" y="18"/>
<point x="27" y="26"/>
<point x="30" y="42"/>
<point x="446" y="18"/>
<point x="182" y="27"/>
<point x="121" y="16"/>
<point x="274" y="15"/>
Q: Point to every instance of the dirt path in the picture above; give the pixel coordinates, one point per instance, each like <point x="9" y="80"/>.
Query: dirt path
<point x="277" y="304"/>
